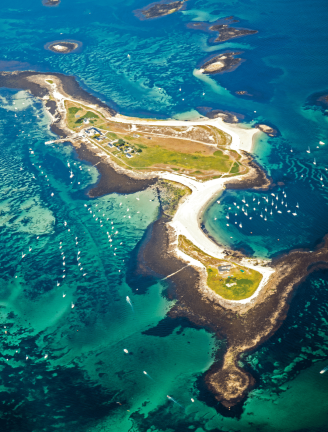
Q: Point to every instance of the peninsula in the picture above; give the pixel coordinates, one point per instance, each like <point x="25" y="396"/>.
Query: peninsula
<point x="240" y="299"/>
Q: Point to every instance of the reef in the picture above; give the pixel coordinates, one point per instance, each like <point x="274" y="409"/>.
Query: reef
<point x="318" y="101"/>
<point x="159" y="9"/>
<point x="221" y="63"/>
<point x="63" y="47"/>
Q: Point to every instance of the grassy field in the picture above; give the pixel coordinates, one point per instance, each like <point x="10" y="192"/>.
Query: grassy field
<point x="198" y="151"/>
<point x="154" y="156"/>
<point x="236" y="284"/>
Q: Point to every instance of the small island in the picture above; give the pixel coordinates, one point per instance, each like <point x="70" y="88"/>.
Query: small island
<point x="50" y="3"/>
<point x="243" y="93"/>
<point x="221" y="63"/>
<point x="63" y="47"/>
<point x="222" y="26"/>
<point x="159" y="9"/>
<point x="226" y="32"/>
<point x="267" y="130"/>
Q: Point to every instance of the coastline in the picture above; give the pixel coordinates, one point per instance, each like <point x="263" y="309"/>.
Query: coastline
<point x="245" y="324"/>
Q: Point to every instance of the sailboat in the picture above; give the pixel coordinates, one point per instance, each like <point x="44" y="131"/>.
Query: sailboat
<point x="308" y="150"/>
<point x="240" y="225"/>
<point x="261" y="215"/>
<point x="243" y="200"/>
<point x="297" y="205"/>
<point x="321" y="143"/>
<point x="227" y="216"/>
<point x="314" y="162"/>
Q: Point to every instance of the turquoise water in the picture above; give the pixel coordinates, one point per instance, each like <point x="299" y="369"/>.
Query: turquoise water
<point x="87" y="382"/>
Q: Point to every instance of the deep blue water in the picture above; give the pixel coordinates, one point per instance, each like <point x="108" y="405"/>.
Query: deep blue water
<point x="86" y="376"/>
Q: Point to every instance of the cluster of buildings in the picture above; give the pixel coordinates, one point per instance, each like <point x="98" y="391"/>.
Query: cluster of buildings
<point x="94" y="133"/>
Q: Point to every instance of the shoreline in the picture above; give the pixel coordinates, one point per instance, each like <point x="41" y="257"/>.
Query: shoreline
<point x="245" y="324"/>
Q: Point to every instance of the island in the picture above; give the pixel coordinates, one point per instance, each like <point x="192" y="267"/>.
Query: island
<point x="222" y="27"/>
<point x="243" y="93"/>
<point x="159" y="9"/>
<point x="267" y="130"/>
<point x="221" y="63"/>
<point x="227" y="33"/>
<point x="50" y="3"/>
<point x="242" y="300"/>
<point x="63" y="47"/>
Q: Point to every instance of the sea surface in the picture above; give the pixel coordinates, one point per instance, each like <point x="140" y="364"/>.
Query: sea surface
<point x="67" y="313"/>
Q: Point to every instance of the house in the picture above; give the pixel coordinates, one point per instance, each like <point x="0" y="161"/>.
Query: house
<point x="86" y="121"/>
<point x="110" y="145"/>
<point x="224" y="268"/>
<point x="128" y="155"/>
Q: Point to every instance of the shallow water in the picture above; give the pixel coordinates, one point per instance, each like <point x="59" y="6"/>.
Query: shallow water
<point x="87" y="382"/>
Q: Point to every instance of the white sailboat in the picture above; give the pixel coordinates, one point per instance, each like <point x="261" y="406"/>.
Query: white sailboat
<point x="308" y="150"/>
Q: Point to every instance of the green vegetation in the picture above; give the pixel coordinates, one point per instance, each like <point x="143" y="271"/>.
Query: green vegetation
<point x="157" y="155"/>
<point x="236" y="286"/>
<point x="237" y="283"/>
<point x="73" y="110"/>
<point x="235" y="168"/>
<point x="170" y="195"/>
<point x="50" y="81"/>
